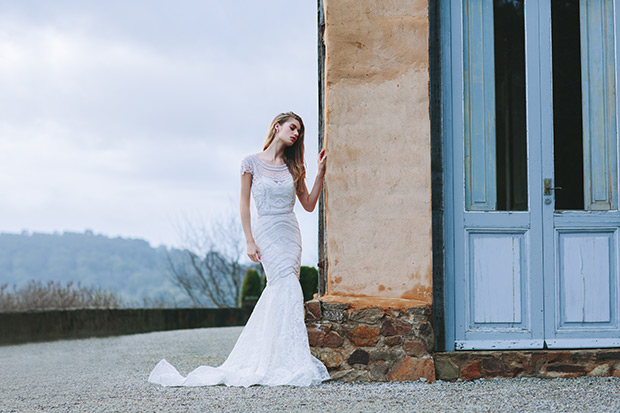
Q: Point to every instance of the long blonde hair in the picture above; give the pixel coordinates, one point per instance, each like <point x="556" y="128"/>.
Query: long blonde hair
<point x="294" y="154"/>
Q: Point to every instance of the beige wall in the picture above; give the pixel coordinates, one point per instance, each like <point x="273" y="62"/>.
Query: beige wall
<point x="377" y="134"/>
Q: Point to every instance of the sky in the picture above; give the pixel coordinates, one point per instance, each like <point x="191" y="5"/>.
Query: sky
<point x="127" y="117"/>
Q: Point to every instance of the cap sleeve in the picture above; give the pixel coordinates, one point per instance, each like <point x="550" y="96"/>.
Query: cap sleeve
<point x="247" y="166"/>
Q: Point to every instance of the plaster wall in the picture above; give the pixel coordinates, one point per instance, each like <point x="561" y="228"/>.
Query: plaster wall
<point x="377" y="135"/>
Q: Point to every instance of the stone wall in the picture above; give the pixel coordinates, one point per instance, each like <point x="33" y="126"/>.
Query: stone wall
<point x="471" y="365"/>
<point x="371" y="344"/>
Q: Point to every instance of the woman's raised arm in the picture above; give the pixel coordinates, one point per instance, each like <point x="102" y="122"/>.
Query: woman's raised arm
<point x="308" y="199"/>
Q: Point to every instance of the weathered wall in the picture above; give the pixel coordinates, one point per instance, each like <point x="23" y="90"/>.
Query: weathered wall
<point x="377" y="134"/>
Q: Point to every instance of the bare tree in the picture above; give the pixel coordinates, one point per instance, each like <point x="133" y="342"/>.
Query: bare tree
<point x="208" y="268"/>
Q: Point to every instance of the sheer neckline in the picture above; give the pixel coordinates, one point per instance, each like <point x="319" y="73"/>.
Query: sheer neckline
<point x="267" y="164"/>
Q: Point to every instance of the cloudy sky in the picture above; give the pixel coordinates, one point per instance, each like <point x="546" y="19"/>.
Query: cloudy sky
<point x="121" y="116"/>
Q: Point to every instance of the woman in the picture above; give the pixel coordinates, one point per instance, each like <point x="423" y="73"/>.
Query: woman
<point x="273" y="347"/>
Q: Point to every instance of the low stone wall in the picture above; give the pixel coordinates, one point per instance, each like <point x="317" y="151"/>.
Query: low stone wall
<point x="371" y="344"/>
<point x="471" y="365"/>
<point x="32" y="326"/>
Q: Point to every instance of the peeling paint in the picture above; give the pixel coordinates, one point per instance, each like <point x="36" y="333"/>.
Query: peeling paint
<point x="418" y="293"/>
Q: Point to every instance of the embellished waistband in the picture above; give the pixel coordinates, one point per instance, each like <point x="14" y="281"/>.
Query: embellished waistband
<point x="270" y="213"/>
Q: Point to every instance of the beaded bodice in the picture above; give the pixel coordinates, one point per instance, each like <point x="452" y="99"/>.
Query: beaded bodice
<point x="273" y="189"/>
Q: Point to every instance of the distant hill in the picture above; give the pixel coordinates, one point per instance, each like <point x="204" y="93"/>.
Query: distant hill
<point x="130" y="267"/>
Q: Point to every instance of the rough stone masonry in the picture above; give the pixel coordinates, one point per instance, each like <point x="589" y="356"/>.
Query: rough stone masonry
<point x="371" y="344"/>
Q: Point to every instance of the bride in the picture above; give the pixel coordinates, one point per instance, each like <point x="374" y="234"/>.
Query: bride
<point x="273" y="347"/>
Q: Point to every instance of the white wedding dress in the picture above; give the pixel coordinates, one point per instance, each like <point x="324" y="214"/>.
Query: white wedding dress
<point x="273" y="347"/>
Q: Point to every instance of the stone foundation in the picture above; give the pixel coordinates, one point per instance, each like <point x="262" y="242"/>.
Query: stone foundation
<point x="471" y="365"/>
<point x="371" y="344"/>
<point x="361" y="342"/>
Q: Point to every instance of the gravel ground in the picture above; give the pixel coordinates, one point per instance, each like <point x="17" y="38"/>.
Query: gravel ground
<point x="110" y="374"/>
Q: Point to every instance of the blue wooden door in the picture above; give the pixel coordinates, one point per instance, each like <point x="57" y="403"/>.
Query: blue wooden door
<point x="581" y="220"/>
<point x="526" y="264"/>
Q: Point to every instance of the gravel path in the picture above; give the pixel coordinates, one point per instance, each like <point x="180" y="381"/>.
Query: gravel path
<point x="110" y="374"/>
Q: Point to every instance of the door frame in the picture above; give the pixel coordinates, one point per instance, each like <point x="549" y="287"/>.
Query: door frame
<point x="451" y="134"/>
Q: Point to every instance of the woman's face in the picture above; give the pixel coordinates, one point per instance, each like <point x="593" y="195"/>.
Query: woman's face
<point x="288" y="132"/>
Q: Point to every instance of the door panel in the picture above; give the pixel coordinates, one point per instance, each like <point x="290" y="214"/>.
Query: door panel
<point x="581" y="298"/>
<point x="494" y="279"/>
<point x="479" y="91"/>
<point x="585" y="265"/>
<point x="599" y="104"/>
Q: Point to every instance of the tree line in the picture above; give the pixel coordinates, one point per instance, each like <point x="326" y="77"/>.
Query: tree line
<point x="39" y="270"/>
<point x="129" y="268"/>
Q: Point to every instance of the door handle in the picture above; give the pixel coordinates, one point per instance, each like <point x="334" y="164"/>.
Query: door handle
<point x="548" y="187"/>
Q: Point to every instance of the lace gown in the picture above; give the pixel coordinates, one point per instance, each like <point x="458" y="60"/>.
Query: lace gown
<point x="273" y="347"/>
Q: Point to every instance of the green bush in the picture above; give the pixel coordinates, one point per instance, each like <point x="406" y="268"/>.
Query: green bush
<point x="309" y="280"/>
<point x="252" y="285"/>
